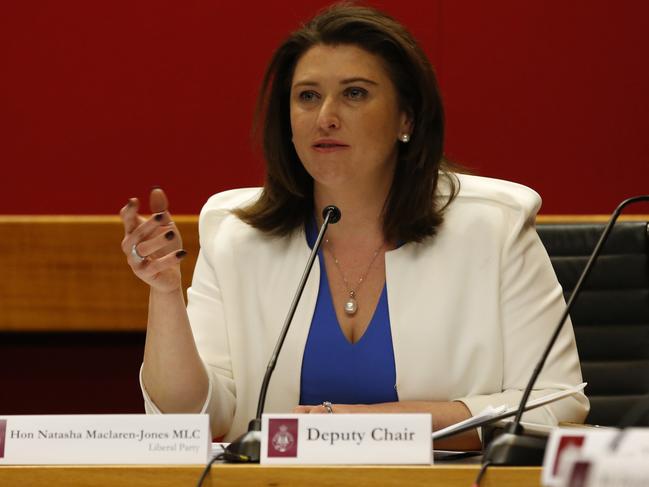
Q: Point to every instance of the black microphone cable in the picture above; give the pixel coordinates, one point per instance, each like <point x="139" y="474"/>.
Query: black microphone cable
<point x="483" y="470"/>
<point x="207" y="468"/>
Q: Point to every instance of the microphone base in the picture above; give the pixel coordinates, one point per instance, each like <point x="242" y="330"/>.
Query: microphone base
<point x="246" y="448"/>
<point x="516" y="450"/>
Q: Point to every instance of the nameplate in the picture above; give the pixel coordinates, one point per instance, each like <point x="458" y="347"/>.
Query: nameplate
<point x="568" y="445"/>
<point x="614" y="471"/>
<point x="104" y="439"/>
<point x="346" y="439"/>
<point x="591" y="456"/>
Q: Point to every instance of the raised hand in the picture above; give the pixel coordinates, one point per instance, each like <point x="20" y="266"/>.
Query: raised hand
<point x="153" y="246"/>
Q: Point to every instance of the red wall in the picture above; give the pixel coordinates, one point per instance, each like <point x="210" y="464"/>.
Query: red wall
<point x="101" y="100"/>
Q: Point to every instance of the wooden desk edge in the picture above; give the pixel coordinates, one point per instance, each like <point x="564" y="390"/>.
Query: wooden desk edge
<point x="448" y="475"/>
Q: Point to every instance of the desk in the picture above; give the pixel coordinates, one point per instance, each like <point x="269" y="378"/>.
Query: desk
<point x="256" y="475"/>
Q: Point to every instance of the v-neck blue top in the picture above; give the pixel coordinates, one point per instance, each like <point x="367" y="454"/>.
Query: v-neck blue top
<point x="335" y="370"/>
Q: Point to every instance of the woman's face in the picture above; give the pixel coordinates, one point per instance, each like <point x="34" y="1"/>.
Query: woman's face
<point x="345" y="117"/>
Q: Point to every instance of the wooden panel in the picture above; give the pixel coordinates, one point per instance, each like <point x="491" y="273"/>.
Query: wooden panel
<point x="588" y="218"/>
<point x="67" y="273"/>
<point x="64" y="273"/>
<point x="256" y="475"/>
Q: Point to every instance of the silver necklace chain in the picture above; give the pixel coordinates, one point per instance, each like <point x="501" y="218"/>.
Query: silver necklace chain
<point x="351" y="305"/>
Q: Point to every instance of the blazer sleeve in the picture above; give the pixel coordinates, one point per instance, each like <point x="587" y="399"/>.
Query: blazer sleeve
<point x="531" y="305"/>
<point x="205" y="309"/>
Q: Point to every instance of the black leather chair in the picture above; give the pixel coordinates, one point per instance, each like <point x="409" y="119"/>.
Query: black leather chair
<point x="611" y="316"/>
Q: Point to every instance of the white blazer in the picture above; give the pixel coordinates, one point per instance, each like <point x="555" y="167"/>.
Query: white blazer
<point x="471" y="309"/>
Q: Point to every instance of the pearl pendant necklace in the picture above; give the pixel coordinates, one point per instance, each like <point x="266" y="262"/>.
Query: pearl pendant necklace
<point x="351" y="305"/>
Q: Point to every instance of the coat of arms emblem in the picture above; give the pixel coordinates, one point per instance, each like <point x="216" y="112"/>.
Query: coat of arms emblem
<point x="283" y="439"/>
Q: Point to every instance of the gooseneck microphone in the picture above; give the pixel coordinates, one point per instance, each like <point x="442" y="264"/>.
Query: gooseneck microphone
<point x="245" y="449"/>
<point x="511" y="448"/>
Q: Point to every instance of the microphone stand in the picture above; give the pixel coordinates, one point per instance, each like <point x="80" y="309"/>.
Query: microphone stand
<point x="246" y="448"/>
<point x="511" y="447"/>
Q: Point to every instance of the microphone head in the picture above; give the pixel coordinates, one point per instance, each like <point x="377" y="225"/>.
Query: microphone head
<point x="334" y="213"/>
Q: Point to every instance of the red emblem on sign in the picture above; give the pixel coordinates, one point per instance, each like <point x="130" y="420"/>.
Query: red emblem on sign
<point x="3" y="432"/>
<point x="565" y="442"/>
<point x="282" y="437"/>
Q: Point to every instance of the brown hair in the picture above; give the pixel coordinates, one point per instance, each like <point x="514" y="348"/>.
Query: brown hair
<point x="411" y="211"/>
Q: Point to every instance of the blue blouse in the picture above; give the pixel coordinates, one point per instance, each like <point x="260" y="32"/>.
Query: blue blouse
<point x="333" y="369"/>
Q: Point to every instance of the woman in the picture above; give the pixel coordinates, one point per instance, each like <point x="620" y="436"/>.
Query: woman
<point x="432" y="294"/>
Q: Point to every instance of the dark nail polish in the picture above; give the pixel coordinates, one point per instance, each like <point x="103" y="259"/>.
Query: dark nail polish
<point x="170" y="235"/>
<point x="158" y="216"/>
<point x="130" y="203"/>
<point x="180" y="254"/>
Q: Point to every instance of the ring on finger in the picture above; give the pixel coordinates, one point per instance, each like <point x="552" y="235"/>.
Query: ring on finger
<point x="328" y="406"/>
<point x="136" y="255"/>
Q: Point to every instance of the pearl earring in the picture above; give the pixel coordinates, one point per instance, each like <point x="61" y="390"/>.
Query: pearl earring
<point x="405" y="138"/>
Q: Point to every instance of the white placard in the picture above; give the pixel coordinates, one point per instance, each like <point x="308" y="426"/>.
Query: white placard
<point x="104" y="439"/>
<point x="633" y="442"/>
<point x="576" y="443"/>
<point x="597" y="457"/>
<point x="346" y="439"/>
<point x="616" y="471"/>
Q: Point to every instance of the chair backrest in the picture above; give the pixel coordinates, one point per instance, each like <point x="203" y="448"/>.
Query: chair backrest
<point x="611" y="316"/>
